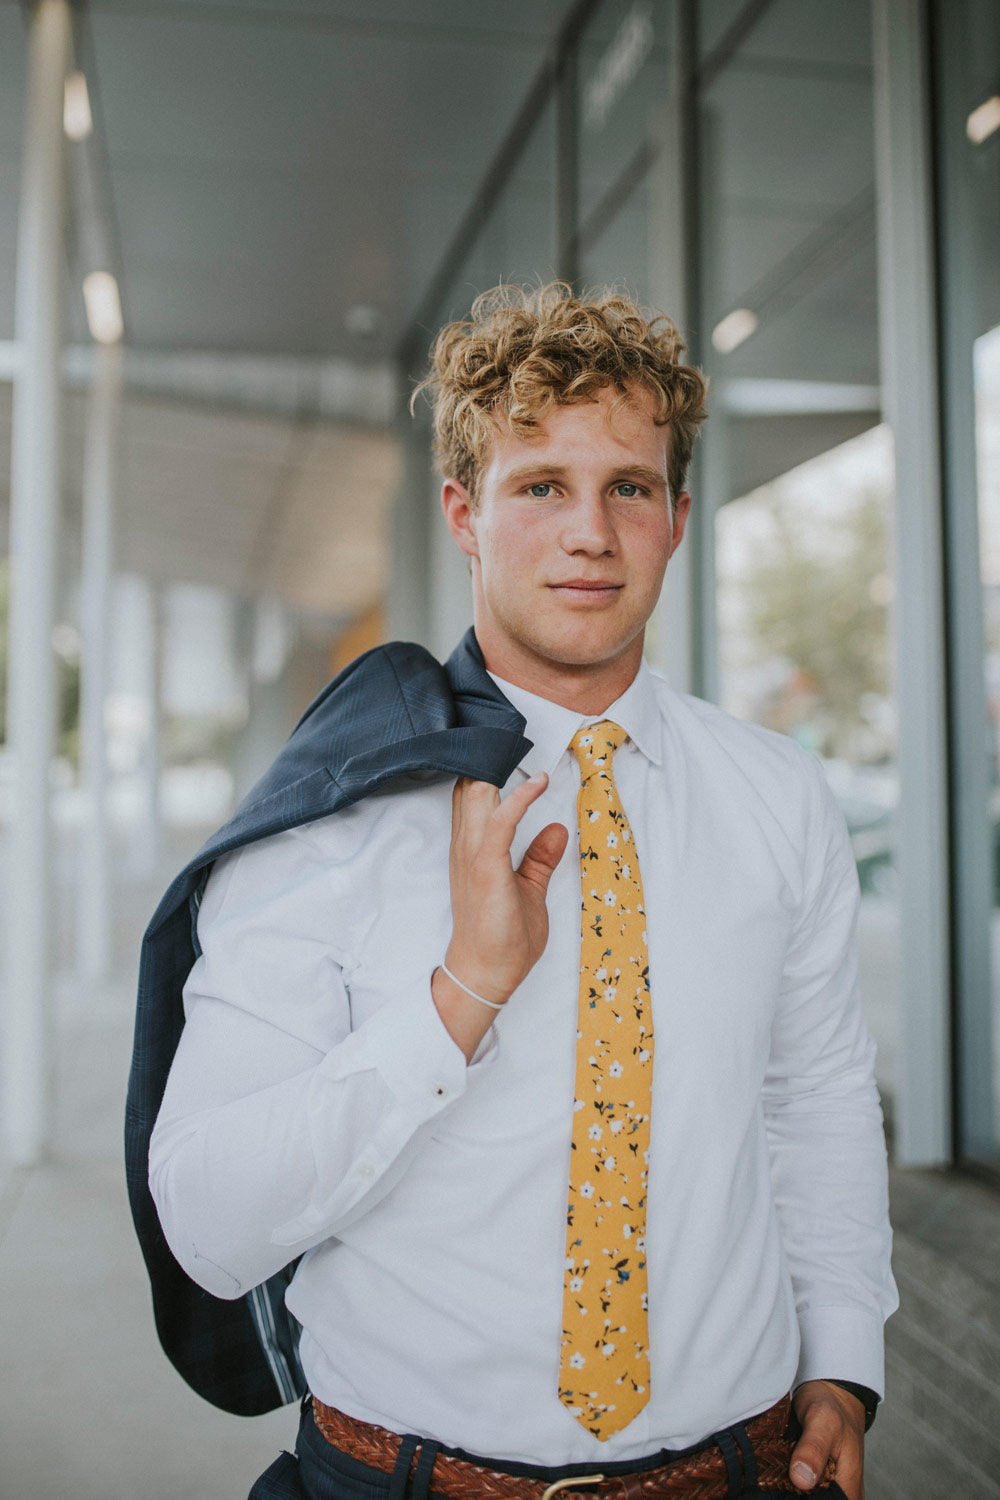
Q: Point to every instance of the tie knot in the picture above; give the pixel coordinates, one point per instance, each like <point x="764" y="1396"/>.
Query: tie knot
<point x="595" y="745"/>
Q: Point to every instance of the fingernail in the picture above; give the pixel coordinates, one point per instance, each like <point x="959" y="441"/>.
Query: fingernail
<point x="802" y="1474"/>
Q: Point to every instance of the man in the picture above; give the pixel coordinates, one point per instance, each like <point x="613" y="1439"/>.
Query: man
<point x="574" y="1196"/>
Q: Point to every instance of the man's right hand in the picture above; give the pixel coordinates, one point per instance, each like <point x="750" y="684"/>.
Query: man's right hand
<point x="500" y="921"/>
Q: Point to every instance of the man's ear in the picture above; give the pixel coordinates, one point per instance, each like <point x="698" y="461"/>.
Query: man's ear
<point x="460" y="516"/>
<point x="682" y="507"/>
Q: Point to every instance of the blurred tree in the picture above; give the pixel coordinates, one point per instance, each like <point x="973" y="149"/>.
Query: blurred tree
<point x="816" y="598"/>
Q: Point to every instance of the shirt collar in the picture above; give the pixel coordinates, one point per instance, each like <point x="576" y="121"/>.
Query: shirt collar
<point x="550" y="726"/>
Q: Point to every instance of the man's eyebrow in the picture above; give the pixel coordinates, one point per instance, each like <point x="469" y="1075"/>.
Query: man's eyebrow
<point x="528" y="471"/>
<point x="643" y="472"/>
<point x="621" y="472"/>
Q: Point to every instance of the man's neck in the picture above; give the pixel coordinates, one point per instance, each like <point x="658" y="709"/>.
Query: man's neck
<point x="588" y="690"/>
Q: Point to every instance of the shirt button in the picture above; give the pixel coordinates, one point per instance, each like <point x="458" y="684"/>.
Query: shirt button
<point x="367" y="1169"/>
<point x="440" y="1090"/>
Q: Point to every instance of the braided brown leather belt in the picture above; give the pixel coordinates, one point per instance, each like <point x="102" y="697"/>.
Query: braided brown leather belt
<point x="698" y="1476"/>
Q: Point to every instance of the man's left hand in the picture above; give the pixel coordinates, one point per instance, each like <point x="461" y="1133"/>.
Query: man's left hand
<point x="833" y="1426"/>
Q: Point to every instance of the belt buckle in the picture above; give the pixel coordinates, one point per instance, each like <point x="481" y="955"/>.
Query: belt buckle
<point x="566" y="1484"/>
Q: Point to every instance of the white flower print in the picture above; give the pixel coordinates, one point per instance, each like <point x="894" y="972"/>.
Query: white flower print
<point x="577" y="1361"/>
<point x="595" y="1132"/>
<point x="626" y="872"/>
<point x="616" y="1070"/>
<point x="616" y="1125"/>
<point x="610" y="898"/>
<point x="600" y="974"/>
<point x="586" y="1189"/>
<point x="593" y="815"/>
<point x="608" y="1349"/>
<point x="610" y="991"/>
<point x="576" y="1284"/>
<point x="612" y="841"/>
<point x="609" y="1164"/>
<point x="627" y="1231"/>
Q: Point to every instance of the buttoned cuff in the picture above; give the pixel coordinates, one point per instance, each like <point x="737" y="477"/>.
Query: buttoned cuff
<point x="420" y="1070"/>
<point x="845" y="1340"/>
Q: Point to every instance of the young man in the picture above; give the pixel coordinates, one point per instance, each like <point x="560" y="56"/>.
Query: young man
<point x="574" y="1195"/>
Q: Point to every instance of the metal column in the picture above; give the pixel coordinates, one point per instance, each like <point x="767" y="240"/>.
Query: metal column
<point x="35" y="442"/>
<point x="94" y="908"/>
<point x="909" y="355"/>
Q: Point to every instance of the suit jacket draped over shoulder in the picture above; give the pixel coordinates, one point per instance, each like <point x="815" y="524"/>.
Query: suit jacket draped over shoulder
<point x="394" y="718"/>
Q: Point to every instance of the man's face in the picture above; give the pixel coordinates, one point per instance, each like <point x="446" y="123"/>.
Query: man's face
<point x="569" y="542"/>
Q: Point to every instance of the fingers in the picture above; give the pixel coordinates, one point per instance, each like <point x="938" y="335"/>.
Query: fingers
<point x="480" y="817"/>
<point x="499" y="917"/>
<point x="832" y="1427"/>
<point x="543" y="854"/>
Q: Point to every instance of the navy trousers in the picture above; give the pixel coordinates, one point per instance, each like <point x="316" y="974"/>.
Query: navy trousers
<point x="319" y="1471"/>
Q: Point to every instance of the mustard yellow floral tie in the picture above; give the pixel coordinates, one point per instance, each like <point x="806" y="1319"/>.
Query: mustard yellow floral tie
<point x="604" y="1367"/>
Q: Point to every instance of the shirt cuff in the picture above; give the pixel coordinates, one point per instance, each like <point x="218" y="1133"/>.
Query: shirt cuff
<point x="415" y="1071"/>
<point x="847" y="1340"/>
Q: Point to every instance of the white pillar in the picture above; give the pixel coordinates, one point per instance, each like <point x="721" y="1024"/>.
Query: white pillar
<point x="909" y="354"/>
<point x="35" y="445"/>
<point x="95" y="897"/>
<point x="147" y="609"/>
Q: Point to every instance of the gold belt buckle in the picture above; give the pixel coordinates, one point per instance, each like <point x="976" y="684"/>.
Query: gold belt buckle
<point x="568" y="1484"/>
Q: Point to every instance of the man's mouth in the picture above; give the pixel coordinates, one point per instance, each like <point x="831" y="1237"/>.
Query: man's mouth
<point x="587" y="588"/>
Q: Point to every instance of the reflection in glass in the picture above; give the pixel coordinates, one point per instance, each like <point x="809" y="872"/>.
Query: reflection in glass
<point x="623" y="91"/>
<point x="805" y="594"/>
<point x="794" y="463"/>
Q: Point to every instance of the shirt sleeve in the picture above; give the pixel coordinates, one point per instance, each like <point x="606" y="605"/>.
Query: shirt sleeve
<point x="824" y="1124"/>
<point x="280" y="1124"/>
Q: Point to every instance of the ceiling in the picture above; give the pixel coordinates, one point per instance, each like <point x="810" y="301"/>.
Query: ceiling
<point x="276" y="183"/>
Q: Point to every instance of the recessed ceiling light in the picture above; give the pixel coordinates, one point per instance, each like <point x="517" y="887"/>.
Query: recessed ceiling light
<point x="734" y="328"/>
<point x="104" y="308"/>
<point x="983" y="120"/>
<point x="77" y="119"/>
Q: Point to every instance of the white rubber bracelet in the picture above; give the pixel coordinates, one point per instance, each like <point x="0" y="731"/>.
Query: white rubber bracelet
<point x="455" y="980"/>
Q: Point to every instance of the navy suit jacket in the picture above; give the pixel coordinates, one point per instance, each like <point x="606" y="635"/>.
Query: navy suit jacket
<point x="394" y="718"/>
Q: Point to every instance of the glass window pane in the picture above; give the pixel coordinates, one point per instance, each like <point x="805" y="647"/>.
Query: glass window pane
<point x="794" y="455"/>
<point x="623" y="83"/>
<point x="517" y="241"/>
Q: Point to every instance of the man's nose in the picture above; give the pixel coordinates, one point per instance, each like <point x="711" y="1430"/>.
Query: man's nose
<point x="589" y="526"/>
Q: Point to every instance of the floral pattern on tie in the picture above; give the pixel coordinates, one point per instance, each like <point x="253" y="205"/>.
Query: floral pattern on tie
<point x="604" y="1366"/>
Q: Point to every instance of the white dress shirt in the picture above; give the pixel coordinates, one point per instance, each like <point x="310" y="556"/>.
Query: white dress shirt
<point x="318" y="1107"/>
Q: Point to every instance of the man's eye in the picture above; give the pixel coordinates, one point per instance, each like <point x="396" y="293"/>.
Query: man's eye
<point x="628" y="491"/>
<point x="540" y="491"/>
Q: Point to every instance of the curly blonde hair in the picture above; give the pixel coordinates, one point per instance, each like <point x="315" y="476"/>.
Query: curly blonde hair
<point x="524" y="350"/>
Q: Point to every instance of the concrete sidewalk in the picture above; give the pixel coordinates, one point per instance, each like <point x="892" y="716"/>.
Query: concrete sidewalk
<point x="91" y="1410"/>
